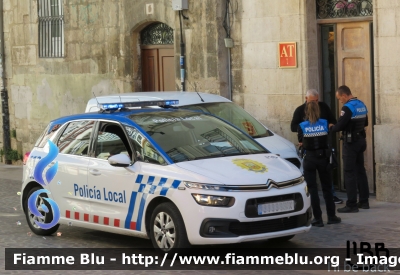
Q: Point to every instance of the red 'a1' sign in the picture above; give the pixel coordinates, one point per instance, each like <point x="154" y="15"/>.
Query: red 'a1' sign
<point x="287" y="55"/>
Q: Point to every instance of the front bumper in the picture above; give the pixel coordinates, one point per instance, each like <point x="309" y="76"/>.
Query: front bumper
<point x="225" y="228"/>
<point x="235" y="224"/>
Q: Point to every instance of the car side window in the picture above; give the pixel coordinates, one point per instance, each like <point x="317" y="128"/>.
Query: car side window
<point x="75" y="138"/>
<point x="144" y="151"/>
<point x="111" y="140"/>
<point x="46" y="135"/>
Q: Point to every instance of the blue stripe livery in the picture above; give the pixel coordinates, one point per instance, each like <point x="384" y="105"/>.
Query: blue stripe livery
<point x="130" y="210"/>
<point x="175" y="184"/>
<point x="144" y="195"/>
<point x="141" y="210"/>
<point x="139" y="178"/>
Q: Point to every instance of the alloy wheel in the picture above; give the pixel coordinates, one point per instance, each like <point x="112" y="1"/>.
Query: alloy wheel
<point x="33" y="218"/>
<point x="164" y="230"/>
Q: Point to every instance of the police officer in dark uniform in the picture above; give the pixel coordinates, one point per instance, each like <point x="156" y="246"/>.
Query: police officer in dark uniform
<point x="313" y="134"/>
<point x="325" y="113"/>
<point x="353" y="119"/>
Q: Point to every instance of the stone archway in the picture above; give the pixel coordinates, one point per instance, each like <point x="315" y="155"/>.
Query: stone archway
<point x="158" y="58"/>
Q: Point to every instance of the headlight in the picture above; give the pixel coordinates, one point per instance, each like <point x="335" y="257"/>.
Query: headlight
<point x="306" y="189"/>
<point x="209" y="200"/>
<point x="204" y="186"/>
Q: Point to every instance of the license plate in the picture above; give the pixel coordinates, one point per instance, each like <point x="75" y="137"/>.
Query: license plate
<point x="275" y="207"/>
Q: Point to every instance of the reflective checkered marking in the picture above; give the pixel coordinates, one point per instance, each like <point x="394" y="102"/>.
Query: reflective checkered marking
<point x="144" y="186"/>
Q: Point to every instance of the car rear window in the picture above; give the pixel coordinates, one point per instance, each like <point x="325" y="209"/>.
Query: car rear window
<point x="47" y="134"/>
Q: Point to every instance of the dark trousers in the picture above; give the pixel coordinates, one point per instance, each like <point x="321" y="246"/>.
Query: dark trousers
<point x="355" y="176"/>
<point x="311" y="165"/>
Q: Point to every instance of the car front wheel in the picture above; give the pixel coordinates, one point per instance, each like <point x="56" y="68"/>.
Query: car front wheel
<point x="167" y="229"/>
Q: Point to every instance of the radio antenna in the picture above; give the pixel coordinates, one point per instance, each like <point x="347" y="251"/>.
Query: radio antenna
<point x="95" y="97"/>
<point x="98" y="103"/>
<point x="199" y="96"/>
<point x="120" y="101"/>
<point x="195" y="89"/>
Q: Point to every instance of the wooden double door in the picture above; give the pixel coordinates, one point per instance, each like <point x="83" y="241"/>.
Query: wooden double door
<point x="158" y="70"/>
<point x="354" y="55"/>
<point x="348" y="61"/>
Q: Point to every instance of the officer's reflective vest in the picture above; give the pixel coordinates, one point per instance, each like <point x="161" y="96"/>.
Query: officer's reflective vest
<point x="359" y="114"/>
<point x="315" y="136"/>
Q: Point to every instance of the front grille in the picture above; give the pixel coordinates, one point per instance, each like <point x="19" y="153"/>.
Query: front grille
<point x="269" y="226"/>
<point x="251" y="208"/>
<point x="295" y="161"/>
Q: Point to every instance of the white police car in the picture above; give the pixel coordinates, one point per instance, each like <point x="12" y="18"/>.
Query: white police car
<point x="178" y="177"/>
<point x="219" y="106"/>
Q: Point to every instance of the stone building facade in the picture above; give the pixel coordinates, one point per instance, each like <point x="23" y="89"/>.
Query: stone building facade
<point x="102" y="54"/>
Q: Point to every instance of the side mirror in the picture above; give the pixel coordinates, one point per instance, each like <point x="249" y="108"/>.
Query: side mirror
<point x="120" y="160"/>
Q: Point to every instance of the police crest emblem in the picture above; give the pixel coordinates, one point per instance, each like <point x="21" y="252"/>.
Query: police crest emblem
<point x="251" y="165"/>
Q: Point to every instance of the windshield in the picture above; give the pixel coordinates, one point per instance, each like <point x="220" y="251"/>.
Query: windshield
<point x="186" y="135"/>
<point x="235" y="115"/>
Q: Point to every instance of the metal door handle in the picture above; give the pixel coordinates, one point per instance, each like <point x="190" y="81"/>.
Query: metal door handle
<point x="94" y="172"/>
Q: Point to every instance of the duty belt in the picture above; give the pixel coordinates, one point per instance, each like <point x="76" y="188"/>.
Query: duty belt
<point x="318" y="153"/>
<point x="352" y="136"/>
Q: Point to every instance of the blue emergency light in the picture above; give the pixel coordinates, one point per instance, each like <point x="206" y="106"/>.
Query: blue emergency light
<point x="118" y="106"/>
<point x="111" y="106"/>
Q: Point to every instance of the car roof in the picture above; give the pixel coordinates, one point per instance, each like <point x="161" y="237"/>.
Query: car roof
<point x="185" y="98"/>
<point x="121" y="116"/>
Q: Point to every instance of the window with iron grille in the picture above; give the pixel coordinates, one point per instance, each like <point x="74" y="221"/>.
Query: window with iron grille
<point x="343" y="8"/>
<point x="51" y="28"/>
<point x="157" y="34"/>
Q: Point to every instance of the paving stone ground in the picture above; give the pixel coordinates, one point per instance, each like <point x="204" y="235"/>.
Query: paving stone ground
<point x="381" y="223"/>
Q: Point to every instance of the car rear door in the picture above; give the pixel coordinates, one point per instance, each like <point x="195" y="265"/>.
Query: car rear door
<point x="68" y="186"/>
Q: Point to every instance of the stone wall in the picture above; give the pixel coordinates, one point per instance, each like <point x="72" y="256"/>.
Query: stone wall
<point x="387" y="99"/>
<point x="102" y="56"/>
<point x="267" y="92"/>
<point x="42" y="89"/>
<point x="205" y="53"/>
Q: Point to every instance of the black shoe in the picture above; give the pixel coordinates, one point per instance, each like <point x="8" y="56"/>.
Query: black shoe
<point x="317" y="223"/>
<point x="363" y="205"/>
<point x="337" y="200"/>
<point x="347" y="209"/>
<point x="334" y="219"/>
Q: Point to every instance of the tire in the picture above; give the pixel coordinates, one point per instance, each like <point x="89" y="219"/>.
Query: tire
<point x="48" y="217"/>
<point x="282" y="239"/>
<point x="164" y="237"/>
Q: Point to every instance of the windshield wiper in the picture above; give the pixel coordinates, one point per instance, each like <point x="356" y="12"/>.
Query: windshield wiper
<point x="208" y="157"/>
<point x="238" y="154"/>
<point x="223" y="155"/>
<point x="251" y="153"/>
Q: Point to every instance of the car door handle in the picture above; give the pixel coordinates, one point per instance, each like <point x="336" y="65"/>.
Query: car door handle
<point x="94" y="172"/>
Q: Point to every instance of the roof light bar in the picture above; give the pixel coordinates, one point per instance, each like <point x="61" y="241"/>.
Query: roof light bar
<point x="117" y="106"/>
<point x="111" y="106"/>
